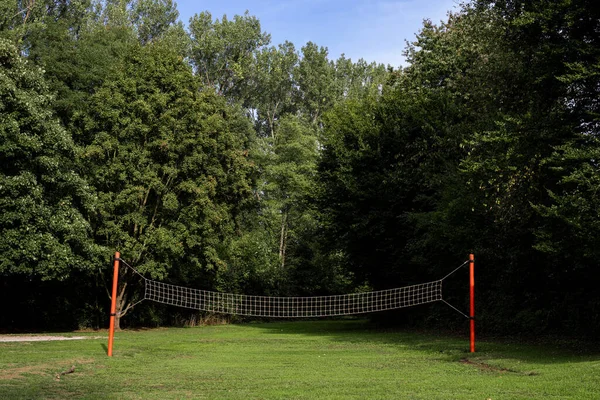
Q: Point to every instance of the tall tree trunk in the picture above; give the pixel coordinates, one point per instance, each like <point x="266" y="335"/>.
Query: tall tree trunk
<point x="121" y="300"/>
<point x="283" y="239"/>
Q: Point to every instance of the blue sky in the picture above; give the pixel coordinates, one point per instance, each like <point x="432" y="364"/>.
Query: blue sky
<point x="375" y="30"/>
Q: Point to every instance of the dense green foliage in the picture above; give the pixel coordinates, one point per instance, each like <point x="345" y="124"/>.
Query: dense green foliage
<point x="210" y="157"/>
<point x="485" y="143"/>
<point x="43" y="226"/>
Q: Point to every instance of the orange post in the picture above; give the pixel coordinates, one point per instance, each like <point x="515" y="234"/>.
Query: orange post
<point x="113" y="304"/>
<point x="472" y="293"/>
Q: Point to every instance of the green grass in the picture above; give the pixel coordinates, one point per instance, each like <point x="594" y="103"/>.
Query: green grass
<point x="294" y="360"/>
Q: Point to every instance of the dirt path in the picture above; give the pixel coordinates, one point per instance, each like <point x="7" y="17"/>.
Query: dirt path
<point x="43" y="338"/>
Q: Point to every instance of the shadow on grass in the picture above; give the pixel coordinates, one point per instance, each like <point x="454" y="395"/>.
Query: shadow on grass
<point x="447" y="345"/>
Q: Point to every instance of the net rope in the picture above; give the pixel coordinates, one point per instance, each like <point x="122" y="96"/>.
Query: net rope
<point x="293" y="307"/>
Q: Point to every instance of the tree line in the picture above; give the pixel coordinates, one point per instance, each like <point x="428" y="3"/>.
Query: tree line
<point x="210" y="157"/>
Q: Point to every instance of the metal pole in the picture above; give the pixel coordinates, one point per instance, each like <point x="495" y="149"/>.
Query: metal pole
<point x="472" y="295"/>
<point x="113" y="304"/>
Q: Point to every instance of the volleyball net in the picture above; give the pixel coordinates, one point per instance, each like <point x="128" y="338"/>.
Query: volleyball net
<point x="293" y="307"/>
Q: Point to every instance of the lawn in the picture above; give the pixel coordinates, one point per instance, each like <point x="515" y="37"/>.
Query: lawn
<point x="294" y="360"/>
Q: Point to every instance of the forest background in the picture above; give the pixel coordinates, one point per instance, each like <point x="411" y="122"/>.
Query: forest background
<point x="213" y="158"/>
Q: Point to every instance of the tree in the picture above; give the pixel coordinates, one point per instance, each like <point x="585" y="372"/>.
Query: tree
<point x="19" y="19"/>
<point x="222" y="52"/>
<point x="486" y="142"/>
<point x="315" y="79"/>
<point x="45" y="202"/>
<point x="358" y="79"/>
<point x="273" y="84"/>
<point x="279" y="241"/>
<point x="169" y="166"/>
<point x="290" y="177"/>
<point x="350" y="183"/>
<point x="561" y="43"/>
<point x="153" y="18"/>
